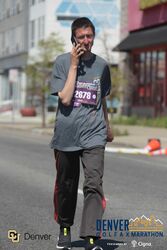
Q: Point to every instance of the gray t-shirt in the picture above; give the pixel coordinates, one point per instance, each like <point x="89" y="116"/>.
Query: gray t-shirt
<point x="82" y="124"/>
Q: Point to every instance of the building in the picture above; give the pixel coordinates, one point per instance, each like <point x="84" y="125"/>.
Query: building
<point x="146" y="45"/>
<point x="41" y="22"/>
<point x="57" y="16"/>
<point x="105" y="14"/>
<point x="13" y="52"/>
<point x="23" y="23"/>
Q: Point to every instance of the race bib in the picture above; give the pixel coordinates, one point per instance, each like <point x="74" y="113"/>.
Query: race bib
<point x="85" y="93"/>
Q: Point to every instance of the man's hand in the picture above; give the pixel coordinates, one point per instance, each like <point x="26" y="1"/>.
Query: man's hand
<point x="67" y="92"/>
<point x="76" y="52"/>
<point x="110" y="136"/>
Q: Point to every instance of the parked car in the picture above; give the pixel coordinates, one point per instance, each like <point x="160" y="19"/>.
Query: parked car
<point x="51" y="103"/>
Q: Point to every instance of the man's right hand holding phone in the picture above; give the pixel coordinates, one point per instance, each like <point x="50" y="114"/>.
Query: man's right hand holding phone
<point x="77" y="51"/>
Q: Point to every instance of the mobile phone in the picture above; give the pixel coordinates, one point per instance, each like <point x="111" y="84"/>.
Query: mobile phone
<point x="75" y="41"/>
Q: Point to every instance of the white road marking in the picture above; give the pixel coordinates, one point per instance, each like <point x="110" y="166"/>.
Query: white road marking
<point x="127" y="150"/>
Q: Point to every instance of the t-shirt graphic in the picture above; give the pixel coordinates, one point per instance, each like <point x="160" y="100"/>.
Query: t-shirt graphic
<point x="86" y="93"/>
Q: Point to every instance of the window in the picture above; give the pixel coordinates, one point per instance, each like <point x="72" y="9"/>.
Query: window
<point x="1" y="13"/>
<point x="0" y="44"/>
<point x="32" y="33"/>
<point x="19" y="38"/>
<point x="3" y="42"/>
<point x="13" y="7"/>
<point x="7" y="8"/>
<point x="160" y="81"/>
<point x="12" y="40"/>
<point x="7" y="48"/>
<point x="142" y="68"/>
<point x="32" y="2"/>
<point x="41" y="28"/>
<point x="3" y="9"/>
<point x="161" y="65"/>
<point x="19" y="6"/>
<point x="149" y="67"/>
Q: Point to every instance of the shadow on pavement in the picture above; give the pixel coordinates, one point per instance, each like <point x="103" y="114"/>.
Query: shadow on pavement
<point x="105" y="244"/>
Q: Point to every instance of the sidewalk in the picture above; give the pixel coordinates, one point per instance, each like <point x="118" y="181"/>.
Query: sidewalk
<point x="137" y="136"/>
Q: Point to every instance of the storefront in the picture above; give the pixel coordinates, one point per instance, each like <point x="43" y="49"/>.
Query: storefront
<point x="147" y="47"/>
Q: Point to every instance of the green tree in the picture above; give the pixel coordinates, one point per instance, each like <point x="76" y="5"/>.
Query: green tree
<point x="117" y="75"/>
<point x="123" y="79"/>
<point x="39" y="69"/>
<point x="118" y="82"/>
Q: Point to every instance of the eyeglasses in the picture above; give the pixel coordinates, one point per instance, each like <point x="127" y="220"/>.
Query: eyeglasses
<point x="89" y="36"/>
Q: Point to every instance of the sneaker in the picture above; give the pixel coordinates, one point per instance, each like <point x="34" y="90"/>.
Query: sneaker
<point x="64" y="239"/>
<point x="91" y="245"/>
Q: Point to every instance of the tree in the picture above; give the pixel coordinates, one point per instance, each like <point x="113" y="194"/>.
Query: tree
<point x="117" y="75"/>
<point x="39" y="69"/>
<point x="123" y="79"/>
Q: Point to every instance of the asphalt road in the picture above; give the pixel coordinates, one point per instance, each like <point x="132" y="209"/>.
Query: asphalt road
<point x="134" y="186"/>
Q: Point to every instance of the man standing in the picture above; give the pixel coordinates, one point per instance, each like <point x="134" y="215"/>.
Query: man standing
<point x="81" y="79"/>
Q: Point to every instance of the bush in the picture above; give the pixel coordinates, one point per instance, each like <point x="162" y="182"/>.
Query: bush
<point x="117" y="132"/>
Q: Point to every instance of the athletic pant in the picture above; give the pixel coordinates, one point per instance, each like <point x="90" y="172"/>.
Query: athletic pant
<point x="66" y="188"/>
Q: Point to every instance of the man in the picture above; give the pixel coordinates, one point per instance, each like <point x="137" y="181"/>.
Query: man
<point x="82" y="81"/>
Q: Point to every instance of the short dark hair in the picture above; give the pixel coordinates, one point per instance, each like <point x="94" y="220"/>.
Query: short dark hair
<point x="81" y="22"/>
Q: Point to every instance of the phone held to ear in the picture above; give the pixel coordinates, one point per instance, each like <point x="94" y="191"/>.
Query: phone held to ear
<point x="75" y="41"/>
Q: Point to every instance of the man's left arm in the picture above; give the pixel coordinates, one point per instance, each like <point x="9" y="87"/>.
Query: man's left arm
<point x="110" y="136"/>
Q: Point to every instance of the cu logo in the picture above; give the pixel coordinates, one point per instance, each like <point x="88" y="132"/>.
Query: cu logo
<point x="13" y="236"/>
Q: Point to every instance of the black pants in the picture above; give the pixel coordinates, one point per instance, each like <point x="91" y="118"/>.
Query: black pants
<point x="66" y="188"/>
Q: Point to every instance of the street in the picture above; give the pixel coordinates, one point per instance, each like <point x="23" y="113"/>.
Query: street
<point x="134" y="185"/>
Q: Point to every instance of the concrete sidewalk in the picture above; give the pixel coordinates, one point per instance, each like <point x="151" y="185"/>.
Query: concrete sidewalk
<point x="137" y="136"/>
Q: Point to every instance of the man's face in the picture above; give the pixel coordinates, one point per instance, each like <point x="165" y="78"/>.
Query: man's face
<point x="85" y="37"/>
